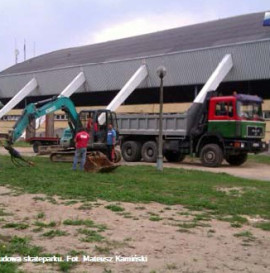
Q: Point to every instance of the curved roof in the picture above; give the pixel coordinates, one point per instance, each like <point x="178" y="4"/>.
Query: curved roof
<point x="244" y="28"/>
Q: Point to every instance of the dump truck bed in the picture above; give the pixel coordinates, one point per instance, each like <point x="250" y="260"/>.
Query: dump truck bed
<point x="148" y="124"/>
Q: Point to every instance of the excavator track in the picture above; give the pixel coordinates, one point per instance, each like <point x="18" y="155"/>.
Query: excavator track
<point x="62" y="156"/>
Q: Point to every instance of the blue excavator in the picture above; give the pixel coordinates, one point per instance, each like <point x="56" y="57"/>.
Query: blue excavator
<point x="94" y="121"/>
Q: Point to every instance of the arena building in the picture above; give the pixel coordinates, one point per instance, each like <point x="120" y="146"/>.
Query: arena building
<point x="190" y="54"/>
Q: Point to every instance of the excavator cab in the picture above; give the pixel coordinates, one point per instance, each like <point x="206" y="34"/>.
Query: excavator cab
<point x="96" y="124"/>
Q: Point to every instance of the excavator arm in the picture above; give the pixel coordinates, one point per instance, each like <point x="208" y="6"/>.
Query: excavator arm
<point x="39" y="109"/>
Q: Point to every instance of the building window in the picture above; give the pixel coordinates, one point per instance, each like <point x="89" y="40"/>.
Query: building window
<point x="266" y="115"/>
<point x="10" y="117"/>
<point x="60" y="117"/>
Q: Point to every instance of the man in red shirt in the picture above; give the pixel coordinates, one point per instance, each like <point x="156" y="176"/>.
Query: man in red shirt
<point x="81" y="140"/>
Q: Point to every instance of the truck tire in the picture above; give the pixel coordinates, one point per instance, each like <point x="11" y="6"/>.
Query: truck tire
<point x="117" y="156"/>
<point x="149" y="151"/>
<point x="174" y="157"/>
<point x="131" y="151"/>
<point x="36" y="144"/>
<point x="236" y="160"/>
<point x="211" y="155"/>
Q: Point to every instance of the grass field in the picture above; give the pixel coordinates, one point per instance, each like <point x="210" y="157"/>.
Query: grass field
<point x="265" y="159"/>
<point x="221" y="193"/>
<point x="206" y="196"/>
<point x="22" y="144"/>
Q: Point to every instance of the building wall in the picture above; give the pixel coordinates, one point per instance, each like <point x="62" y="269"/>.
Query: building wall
<point x="251" y="62"/>
<point x="138" y="108"/>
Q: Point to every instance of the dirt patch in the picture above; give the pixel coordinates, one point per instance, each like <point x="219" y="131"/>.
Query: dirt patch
<point x="235" y="191"/>
<point x="169" y="236"/>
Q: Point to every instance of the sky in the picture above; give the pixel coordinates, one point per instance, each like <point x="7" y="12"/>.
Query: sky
<point x="49" y="25"/>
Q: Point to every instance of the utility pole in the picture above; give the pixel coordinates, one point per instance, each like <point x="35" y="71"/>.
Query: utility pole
<point x="16" y="52"/>
<point x="24" y="50"/>
<point x="161" y="72"/>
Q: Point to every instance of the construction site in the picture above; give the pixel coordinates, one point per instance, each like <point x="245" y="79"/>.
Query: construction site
<point x="96" y="73"/>
<point x="200" y="108"/>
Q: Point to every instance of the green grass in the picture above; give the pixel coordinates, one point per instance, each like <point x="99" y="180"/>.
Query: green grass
<point x="263" y="225"/>
<point x="114" y="208"/>
<point x="102" y="250"/>
<point x="202" y="217"/>
<point x="22" y="144"/>
<point x="66" y="266"/>
<point x="40" y="215"/>
<point x="14" y="246"/>
<point x="265" y="159"/>
<point x="87" y="223"/>
<point x="21" y="247"/>
<point x="3" y="213"/>
<point x="235" y="220"/>
<point x="195" y="190"/>
<point x="247" y="236"/>
<point x="54" y="233"/>
<point x="155" y="218"/>
<point x="17" y="226"/>
<point x="90" y="235"/>
<point x="45" y="225"/>
<point x="78" y="222"/>
<point x="188" y="225"/>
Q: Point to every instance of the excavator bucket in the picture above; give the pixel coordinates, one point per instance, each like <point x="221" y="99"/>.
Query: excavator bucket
<point x="16" y="157"/>
<point x="98" y="162"/>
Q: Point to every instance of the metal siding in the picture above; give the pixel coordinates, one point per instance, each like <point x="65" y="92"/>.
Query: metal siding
<point x="251" y="62"/>
<point x="221" y="32"/>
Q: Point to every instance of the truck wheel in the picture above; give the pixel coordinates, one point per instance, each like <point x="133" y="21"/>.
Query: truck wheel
<point x="36" y="144"/>
<point x="236" y="160"/>
<point x="211" y="155"/>
<point x="117" y="156"/>
<point x="149" y="151"/>
<point x="131" y="151"/>
<point x="174" y="157"/>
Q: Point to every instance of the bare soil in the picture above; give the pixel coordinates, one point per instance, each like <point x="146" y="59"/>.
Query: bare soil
<point x="209" y="247"/>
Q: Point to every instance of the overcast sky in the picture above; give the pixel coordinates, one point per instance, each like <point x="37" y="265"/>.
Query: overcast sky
<point x="57" y="24"/>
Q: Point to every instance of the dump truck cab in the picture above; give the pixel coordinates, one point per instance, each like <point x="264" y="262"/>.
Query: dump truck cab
<point x="238" y="116"/>
<point x="235" y="127"/>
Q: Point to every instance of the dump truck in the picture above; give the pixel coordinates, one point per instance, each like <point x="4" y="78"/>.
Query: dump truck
<point x="214" y="128"/>
<point x="98" y="133"/>
<point x="37" y="142"/>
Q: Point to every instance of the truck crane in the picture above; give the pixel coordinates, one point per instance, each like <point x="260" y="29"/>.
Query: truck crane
<point x="76" y="121"/>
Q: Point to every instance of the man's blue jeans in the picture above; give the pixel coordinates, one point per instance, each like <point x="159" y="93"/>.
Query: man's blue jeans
<point x="79" y="154"/>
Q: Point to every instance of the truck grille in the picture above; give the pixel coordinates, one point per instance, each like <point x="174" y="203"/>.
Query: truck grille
<point x="255" y="131"/>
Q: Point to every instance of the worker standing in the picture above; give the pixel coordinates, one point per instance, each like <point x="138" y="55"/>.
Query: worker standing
<point x="81" y="140"/>
<point x="111" y="138"/>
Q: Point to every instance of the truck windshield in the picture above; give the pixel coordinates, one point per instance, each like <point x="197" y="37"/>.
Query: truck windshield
<point x="249" y="110"/>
